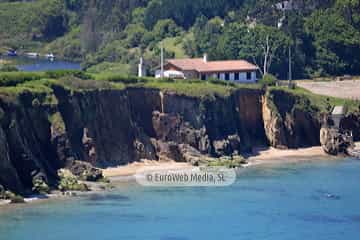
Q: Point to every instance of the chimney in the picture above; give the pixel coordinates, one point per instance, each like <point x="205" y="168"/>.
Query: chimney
<point x="205" y="58"/>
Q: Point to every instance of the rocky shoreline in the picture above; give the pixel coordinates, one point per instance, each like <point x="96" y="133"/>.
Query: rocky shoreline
<point x="264" y="157"/>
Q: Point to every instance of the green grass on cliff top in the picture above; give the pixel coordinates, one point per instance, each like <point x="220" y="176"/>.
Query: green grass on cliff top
<point x="321" y="101"/>
<point x="194" y="88"/>
<point x="13" y="84"/>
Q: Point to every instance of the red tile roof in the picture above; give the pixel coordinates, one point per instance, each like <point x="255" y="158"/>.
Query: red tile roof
<point x="200" y="66"/>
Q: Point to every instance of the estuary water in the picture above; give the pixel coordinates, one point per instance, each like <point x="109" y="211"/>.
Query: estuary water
<point x="317" y="200"/>
<point x="39" y="64"/>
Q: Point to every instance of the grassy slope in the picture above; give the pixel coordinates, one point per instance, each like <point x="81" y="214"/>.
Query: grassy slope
<point x="110" y="68"/>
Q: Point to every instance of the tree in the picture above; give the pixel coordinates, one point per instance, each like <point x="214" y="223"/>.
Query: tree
<point x="350" y="10"/>
<point x="90" y="37"/>
<point x="207" y="35"/>
<point x="166" y="28"/>
<point x="185" y="12"/>
<point x="232" y="41"/>
<point x="135" y="33"/>
<point x="336" y="42"/>
<point x="264" y="46"/>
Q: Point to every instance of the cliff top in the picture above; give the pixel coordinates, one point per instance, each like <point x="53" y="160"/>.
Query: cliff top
<point x="14" y="83"/>
<point x="41" y="84"/>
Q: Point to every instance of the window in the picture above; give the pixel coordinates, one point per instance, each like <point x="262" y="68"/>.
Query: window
<point x="237" y="76"/>
<point x="218" y="76"/>
<point x="248" y="75"/>
<point x="203" y="77"/>
<point x="227" y="76"/>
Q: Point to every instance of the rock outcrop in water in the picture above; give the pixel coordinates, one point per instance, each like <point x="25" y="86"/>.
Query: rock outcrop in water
<point x="115" y="127"/>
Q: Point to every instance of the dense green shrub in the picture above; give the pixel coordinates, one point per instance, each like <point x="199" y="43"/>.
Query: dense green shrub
<point x="221" y="82"/>
<point x="62" y="73"/>
<point x="40" y="186"/>
<point x="69" y="182"/>
<point x="268" y="80"/>
<point x="14" y="78"/>
<point x="75" y="83"/>
<point x="15" y="199"/>
<point x="8" y="68"/>
<point x="123" y="79"/>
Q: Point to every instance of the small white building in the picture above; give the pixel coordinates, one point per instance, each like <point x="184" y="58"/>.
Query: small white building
<point x="337" y="114"/>
<point x="200" y="68"/>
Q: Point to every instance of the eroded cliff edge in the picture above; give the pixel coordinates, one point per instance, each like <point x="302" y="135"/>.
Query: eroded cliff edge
<point x="111" y="127"/>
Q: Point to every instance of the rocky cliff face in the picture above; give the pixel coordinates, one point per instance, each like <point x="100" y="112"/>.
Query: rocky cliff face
<point x="290" y="121"/>
<point x="114" y="127"/>
<point x="109" y="127"/>
<point x="352" y="123"/>
<point x="26" y="148"/>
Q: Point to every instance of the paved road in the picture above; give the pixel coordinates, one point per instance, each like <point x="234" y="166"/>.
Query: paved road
<point x="344" y="89"/>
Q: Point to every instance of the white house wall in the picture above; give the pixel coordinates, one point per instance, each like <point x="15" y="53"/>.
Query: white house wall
<point x="221" y="76"/>
<point x="242" y="77"/>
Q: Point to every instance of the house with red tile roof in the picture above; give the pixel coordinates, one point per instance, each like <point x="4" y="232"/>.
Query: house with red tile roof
<point x="201" y="68"/>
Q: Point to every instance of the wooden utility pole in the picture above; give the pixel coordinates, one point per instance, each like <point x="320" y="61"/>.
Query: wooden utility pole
<point x="290" y="67"/>
<point x="162" y="60"/>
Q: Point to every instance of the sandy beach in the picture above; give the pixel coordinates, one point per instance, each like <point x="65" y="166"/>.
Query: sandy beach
<point x="2" y="61"/>
<point x="277" y="156"/>
<point x="131" y="169"/>
<point x="260" y="157"/>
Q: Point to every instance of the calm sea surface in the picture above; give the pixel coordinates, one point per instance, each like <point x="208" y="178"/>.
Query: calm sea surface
<point x="296" y="201"/>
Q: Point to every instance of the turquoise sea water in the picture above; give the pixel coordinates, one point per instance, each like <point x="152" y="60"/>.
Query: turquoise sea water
<point x="318" y="200"/>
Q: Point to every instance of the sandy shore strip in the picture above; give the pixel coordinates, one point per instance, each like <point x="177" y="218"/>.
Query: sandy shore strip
<point x="277" y="156"/>
<point x="2" y="61"/>
<point x="130" y="170"/>
<point x="260" y="157"/>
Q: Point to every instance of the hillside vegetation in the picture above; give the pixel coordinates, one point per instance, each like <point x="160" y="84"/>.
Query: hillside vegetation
<point x="324" y="35"/>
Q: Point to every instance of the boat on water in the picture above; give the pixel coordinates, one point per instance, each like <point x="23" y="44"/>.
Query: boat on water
<point x="11" y="53"/>
<point x="50" y="56"/>
<point x="33" y="54"/>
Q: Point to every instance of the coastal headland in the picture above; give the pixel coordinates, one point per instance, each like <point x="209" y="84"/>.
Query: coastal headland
<point x="49" y="121"/>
